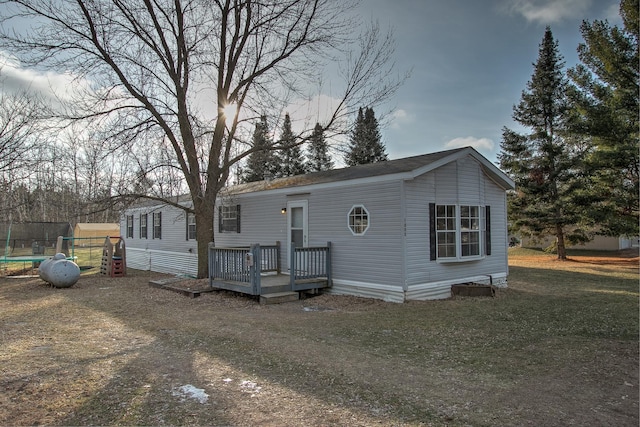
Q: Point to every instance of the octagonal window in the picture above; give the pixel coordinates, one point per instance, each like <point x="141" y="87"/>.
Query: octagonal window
<point x="358" y="220"/>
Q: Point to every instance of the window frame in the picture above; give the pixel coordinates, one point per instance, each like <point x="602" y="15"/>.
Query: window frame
<point x="157" y="225"/>
<point x="462" y="228"/>
<point x="129" y="224"/>
<point x="470" y="231"/>
<point x="354" y="220"/>
<point x="228" y="223"/>
<point x="191" y="226"/>
<point x="144" y="226"/>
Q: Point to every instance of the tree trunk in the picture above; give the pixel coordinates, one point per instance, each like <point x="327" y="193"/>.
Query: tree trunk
<point x="204" y="235"/>
<point x="562" y="251"/>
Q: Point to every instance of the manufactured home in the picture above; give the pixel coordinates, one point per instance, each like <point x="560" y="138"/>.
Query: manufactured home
<point x="405" y="229"/>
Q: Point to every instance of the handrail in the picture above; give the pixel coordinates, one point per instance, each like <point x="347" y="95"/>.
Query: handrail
<point x="270" y="258"/>
<point x="243" y="264"/>
<point x="229" y="264"/>
<point x="310" y="263"/>
<point x="246" y="264"/>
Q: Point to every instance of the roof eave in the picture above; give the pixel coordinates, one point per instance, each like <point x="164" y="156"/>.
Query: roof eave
<point x="490" y="169"/>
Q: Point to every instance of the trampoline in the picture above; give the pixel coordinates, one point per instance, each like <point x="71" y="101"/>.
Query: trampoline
<point x="31" y="242"/>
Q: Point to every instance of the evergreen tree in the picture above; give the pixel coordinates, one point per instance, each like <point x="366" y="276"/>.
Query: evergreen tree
<point x="289" y="160"/>
<point x="544" y="163"/>
<point x="365" y="144"/>
<point x="606" y="94"/>
<point x="318" y="155"/>
<point x="260" y="162"/>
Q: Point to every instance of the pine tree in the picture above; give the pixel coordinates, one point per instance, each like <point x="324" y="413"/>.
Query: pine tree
<point x="544" y="163"/>
<point x="606" y="93"/>
<point x="289" y="160"/>
<point x="318" y="155"/>
<point x="365" y="144"/>
<point x="260" y="162"/>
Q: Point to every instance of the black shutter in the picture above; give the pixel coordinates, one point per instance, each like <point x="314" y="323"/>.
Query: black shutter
<point x="237" y="218"/>
<point x="186" y="215"/>
<point x="487" y="227"/>
<point x="432" y="231"/>
<point x="219" y="219"/>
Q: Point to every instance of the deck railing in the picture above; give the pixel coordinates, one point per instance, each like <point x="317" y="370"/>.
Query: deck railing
<point x="270" y="258"/>
<point x="229" y="264"/>
<point x="246" y="264"/>
<point x="310" y="263"/>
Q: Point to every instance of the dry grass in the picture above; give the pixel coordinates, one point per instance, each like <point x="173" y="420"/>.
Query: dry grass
<point x="559" y="347"/>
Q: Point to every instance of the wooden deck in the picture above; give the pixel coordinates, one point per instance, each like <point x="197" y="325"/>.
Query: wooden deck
<point x="271" y="284"/>
<point x="256" y="270"/>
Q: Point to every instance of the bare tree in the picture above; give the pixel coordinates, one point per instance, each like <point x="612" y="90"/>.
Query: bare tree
<point x="198" y="69"/>
<point x="18" y="131"/>
<point x="20" y="134"/>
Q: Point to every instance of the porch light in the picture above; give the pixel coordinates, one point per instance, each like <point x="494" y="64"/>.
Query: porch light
<point x="283" y="210"/>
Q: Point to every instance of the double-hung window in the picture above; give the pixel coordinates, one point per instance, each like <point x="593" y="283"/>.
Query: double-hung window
<point x="157" y="225"/>
<point x="446" y="231"/>
<point x="469" y="231"/>
<point x="229" y="219"/>
<point x="457" y="232"/>
<point x="191" y="226"/>
<point x="143" y="226"/>
<point x="130" y="226"/>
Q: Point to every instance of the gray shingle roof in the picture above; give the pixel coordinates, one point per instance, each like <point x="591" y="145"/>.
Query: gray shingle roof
<point x="389" y="167"/>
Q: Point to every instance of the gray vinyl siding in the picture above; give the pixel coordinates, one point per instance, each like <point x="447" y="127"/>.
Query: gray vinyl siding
<point x="462" y="182"/>
<point x="376" y="257"/>
<point x="419" y="193"/>
<point x="173" y="230"/>
<point x="261" y="220"/>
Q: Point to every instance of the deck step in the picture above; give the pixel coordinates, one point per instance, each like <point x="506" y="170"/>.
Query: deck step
<point x="279" y="297"/>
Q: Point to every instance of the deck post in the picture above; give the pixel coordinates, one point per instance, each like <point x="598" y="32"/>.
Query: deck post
<point x="254" y="268"/>
<point x="292" y="266"/>
<point x="279" y="269"/>
<point x="212" y="271"/>
<point x="328" y="265"/>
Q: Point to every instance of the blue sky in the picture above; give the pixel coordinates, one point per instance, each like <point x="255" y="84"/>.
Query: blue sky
<point x="470" y="61"/>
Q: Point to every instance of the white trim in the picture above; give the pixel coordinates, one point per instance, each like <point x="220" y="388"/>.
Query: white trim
<point x="349" y="219"/>
<point x="459" y="230"/>
<point x="304" y="204"/>
<point x="403" y="218"/>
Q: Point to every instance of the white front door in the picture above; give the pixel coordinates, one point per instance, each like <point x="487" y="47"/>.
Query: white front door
<point x="297" y="225"/>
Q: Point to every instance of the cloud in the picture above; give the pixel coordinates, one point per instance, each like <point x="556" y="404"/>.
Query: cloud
<point x="549" y="11"/>
<point x="400" y="117"/>
<point x="480" y="144"/>
<point x="17" y="79"/>
<point x="612" y="14"/>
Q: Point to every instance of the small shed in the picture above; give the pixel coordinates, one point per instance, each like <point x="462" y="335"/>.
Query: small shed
<point x="87" y="229"/>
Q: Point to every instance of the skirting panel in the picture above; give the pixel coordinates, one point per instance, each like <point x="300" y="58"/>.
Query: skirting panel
<point x="162" y="261"/>
<point x="442" y="290"/>
<point x="366" y="290"/>
<point x="419" y="292"/>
